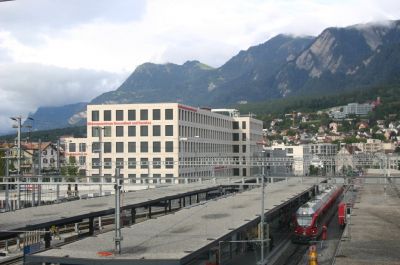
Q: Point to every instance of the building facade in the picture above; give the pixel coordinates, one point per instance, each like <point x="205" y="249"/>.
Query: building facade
<point x="166" y="141"/>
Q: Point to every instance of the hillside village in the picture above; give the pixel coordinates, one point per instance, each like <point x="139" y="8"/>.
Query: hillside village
<point x="354" y="125"/>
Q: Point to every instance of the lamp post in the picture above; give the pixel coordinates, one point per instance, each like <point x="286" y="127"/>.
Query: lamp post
<point x="182" y="141"/>
<point x="18" y="126"/>
<point x="197" y="165"/>
<point x="100" y="131"/>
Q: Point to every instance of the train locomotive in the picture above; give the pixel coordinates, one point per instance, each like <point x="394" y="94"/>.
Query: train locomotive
<point x="314" y="214"/>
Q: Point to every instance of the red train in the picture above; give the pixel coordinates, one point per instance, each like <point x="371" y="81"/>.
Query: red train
<point x="313" y="215"/>
<point x="344" y="211"/>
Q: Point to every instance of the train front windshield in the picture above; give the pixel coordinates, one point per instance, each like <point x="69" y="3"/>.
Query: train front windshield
<point x="304" y="220"/>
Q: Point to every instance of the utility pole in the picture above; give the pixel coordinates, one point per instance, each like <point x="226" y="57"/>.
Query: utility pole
<point x="7" y="180"/>
<point x="58" y="156"/>
<point x="118" y="237"/>
<point x="100" y="131"/>
<point x="262" y="213"/>
<point x="18" y="126"/>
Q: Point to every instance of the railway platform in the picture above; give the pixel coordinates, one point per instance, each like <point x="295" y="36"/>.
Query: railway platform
<point x="200" y="234"/>
<point x="372" y="235"/>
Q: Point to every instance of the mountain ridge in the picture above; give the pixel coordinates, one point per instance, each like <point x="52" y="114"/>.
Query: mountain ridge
<point x="338" y="59"/>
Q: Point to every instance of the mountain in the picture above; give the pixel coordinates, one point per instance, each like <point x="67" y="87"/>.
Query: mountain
<point x="344" y="58"/>
<point x="337" y="60"/>
<point x="195" y="83"/>
<point x="46" y="118"/>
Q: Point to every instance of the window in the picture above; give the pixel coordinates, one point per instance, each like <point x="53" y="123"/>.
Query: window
<point x="169" y="114"/>
<point x="95" y="163"/>
<point x="95" y="147"/>
<point x="304" y="220"/>
<point x="156" y="147"/>
<point x="107" y="115"/>
<point x="156" y="130"/>
<point x="244" y="171"/>
<point x="169" y="162"/>
<point x="169" y="178"/>
<point x="156" y="162"/>
<point x="107" y="147"/>
<point x="131" y="130"/>
<point x="144" y="147"/>
<point x="131" y="115"/>
<point x="131" y="162"/>
<point x="243" y="125"/>
<point x="144" y="130"/>
<point x="119" y="163"/>
<point x="107" y="131"/>
<point x="236" y="172"/>
<point x="169" y="130"/>
<point x="235" y="137"/>
<point x="95" y="115"/>
<point x="169" y="146"/>
<point x="235" y="125"/>
<point x="119" y="115"/>
<point x="95" y="131"/>
<point x="131" y="147"/>
<point x="156" y="114"/>
<point x="119" y="131"/>
<point x="72" y="147"/>
<point x="82" y="147"/>
<point x="244" y="138"/>
<point x="144" y="114"/>
<point x="290" y="150"/>
<point x="235" y="148"/>
<point x="243" y="148"/>
<point x="132" y="178"/>
<point x="44" y="160"/>
<point x="107" y="162"/>
<point x="119" y="147"/>
<point x="82" y="160"/>
<point x="144" y="162"/>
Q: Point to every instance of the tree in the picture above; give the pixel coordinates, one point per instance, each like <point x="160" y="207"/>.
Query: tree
<point x="313" y="170"/>
<point x="70" y="169"/>
<point x="2" y="162"/>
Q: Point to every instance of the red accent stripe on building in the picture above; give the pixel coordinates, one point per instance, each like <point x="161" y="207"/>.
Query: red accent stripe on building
<point x="187" y="108"/>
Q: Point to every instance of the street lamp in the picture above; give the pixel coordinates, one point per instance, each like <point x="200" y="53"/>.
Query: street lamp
<point x="18" y="126"/>
<point x="100" y="131"/>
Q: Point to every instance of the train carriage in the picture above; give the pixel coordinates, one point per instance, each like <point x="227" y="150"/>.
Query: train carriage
<point x="313" y="215"/>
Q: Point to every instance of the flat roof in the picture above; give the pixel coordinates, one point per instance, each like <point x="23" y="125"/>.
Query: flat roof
<point x="178" y="238"/>
<point x="62" y="213"/>
<point x="374" y="228"/>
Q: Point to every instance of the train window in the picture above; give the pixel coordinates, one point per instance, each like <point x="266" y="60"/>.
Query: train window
<point x="348" y="210"/>
<point x="304" y="220"/>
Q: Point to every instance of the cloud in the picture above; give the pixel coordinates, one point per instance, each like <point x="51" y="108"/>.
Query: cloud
<point x="25" y="87"/>
<point x="119" y="36"/>
<point x="45" y="45"/>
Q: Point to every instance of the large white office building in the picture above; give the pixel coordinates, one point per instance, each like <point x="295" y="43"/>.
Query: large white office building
<point x="165" y="141"/>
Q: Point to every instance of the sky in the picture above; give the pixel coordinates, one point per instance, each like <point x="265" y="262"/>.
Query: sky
<point x="57" y="52"/>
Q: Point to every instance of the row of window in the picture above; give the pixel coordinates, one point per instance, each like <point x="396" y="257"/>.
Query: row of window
<point x="196" y="147"/>
<point x="45" y="160"/>
<point x="132" y="163"/>
<point x="189" y="131"/>
<point x="130" y="147"/>
<point x="121" y="115"/>
<point x="195" y="117"/>
<point x="72" y="147"/>
<point x="131" y="131"/>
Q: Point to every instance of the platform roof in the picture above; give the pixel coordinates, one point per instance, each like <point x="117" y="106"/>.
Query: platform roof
<point x="180" y="237"/>
<point x="67" y="212"/>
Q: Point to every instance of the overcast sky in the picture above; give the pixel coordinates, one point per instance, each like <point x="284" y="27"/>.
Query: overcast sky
<point x="56" y="52"/>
